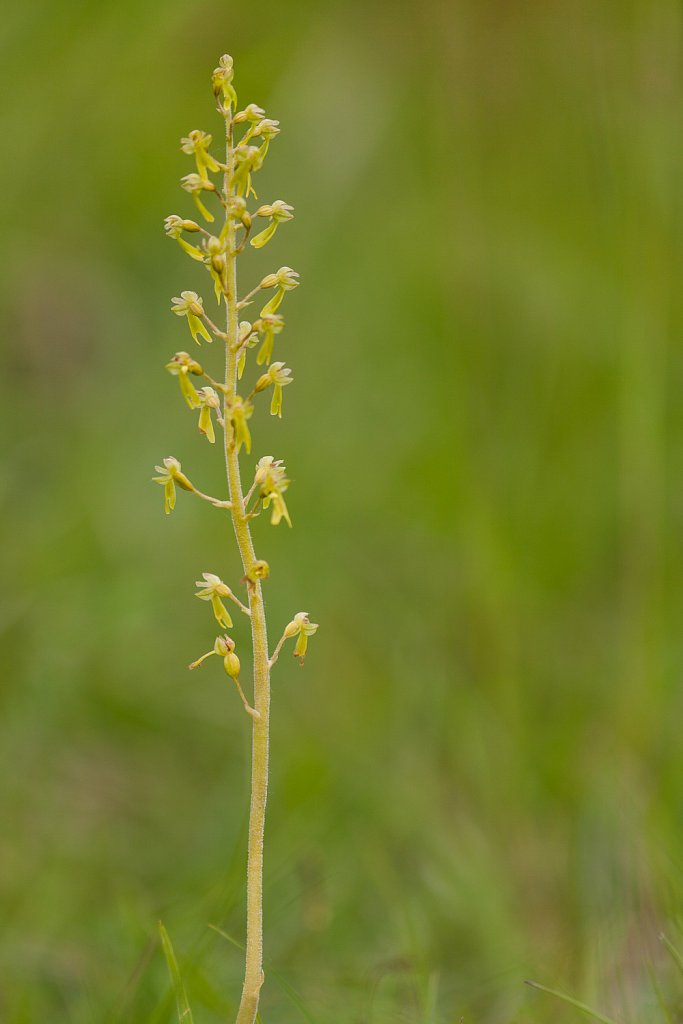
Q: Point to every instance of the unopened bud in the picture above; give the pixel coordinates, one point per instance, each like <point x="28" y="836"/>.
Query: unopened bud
<point x="260" y="570"/>
<point x="231" y="664"/>
<point x="214" y="246"/>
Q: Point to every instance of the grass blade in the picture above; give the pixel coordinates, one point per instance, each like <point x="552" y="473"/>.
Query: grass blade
<point x="431" y="998"/>
<point x="665" y="1011"/>
<point x="224" y="935"/>
<point x="184" y="1011"/>
<point x="572" y="1002"/>
<point x="675" y="955"/>
<point x="289" y="991"/>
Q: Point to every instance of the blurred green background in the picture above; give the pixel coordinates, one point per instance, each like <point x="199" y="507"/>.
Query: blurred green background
<point x="477" y="777"/>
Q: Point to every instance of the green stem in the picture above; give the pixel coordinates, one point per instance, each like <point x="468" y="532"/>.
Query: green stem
<point x="253" y="976"/>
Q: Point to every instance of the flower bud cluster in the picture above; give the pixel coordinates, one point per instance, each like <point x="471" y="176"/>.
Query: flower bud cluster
<point x="221" y="83"/>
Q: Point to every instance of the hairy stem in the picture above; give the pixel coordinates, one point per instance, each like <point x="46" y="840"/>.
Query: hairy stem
<point x="253" y="975"/>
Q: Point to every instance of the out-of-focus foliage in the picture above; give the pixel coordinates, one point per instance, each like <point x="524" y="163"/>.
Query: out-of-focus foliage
<point x="479" y="777"/>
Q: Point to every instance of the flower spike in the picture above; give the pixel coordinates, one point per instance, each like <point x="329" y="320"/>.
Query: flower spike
<point x="246" y="134"/>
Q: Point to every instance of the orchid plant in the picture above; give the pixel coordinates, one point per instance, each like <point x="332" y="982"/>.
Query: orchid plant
<point x="225" y="184"/>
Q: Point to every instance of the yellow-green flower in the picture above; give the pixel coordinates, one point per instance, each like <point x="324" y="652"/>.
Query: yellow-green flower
<point x="264" y="128"/>
<point x="215" y="260"/>
<point x="208" y="400"/>
<point x="271" y="480"/>
<point x="174" y="226"/>
<point x="197" y="143"/>
<point x="212" y="588"/>
<point x="181" y="366"/>
<point x="170" y="474"/>
<point x="248" y="160"/>
<point x="239" y="411"/>
<point x="268" y="325"/>
<point x="279" y="376"/>
<point x="252" y="112"/>
<point x="301" y="627"/>
<point x="221" y="82"/>
<point x="284" y="280"/>
<point x="190" y="305"/>
<point x="195" y="185"/>
<point x="277" y="212"/>
<point x="247" y="338"/>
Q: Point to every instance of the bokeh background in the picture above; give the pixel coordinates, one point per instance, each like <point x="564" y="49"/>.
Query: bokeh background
<point x="477" y="778"/>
